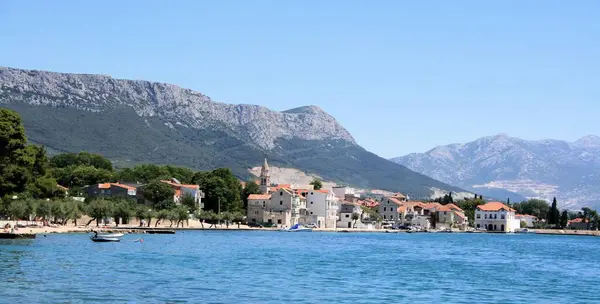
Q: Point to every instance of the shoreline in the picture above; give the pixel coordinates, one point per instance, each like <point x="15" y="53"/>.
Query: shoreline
<point x="130" y="229"/>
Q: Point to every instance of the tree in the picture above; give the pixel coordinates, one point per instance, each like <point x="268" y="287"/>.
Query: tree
<point x="227" y="217"/>
<point x="18" y="210"/>
<point x="564" y="219"/>
<point x="99" y="209"/>
<point x="317" y="184"/>
<point x="123" y="210"/>
<point x="182" y="214"/>
<point x="553" y="213"/>
<point x="189" y="202"/>
<point x="222" y="190"/>
<point x="161" y="215"/>
<point x="238" y="217"/>
<point x="536" y="207"/>
<point x="157" y="191"/>
<point x="523" y="224"/>
<point x="172" y="216"/>
<point x="251" y="188"/>
<point x="508" y="201"/>
<point x="355" y="218"/>
<point x="44" y="210"/>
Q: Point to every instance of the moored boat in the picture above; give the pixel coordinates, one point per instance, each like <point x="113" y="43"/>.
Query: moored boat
<point x="16" y="236"/>
<point x="297" y="228"/>
<point x="524" y="230"/>
<point x="102" y="239"/>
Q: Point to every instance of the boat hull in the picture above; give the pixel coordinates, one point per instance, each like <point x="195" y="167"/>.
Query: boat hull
<point x="16" y="236"/>
<point x="104" y="239"/>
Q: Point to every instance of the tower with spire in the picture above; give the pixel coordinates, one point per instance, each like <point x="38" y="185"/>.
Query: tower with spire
<point x="265" y="178"/>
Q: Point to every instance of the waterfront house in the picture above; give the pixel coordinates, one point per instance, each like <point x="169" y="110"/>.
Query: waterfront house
<point x="496" y="216"/>
<point x="182" y="189"/>
<point x="388" y="207"/>
<point x="322" y="207"/>
<point x="257" y="205"/>
<point x="347" y="209"/>
<point x="529" y="220"/>
<point x="450" y="216"/>
<point x="578" y="224"/>
<point x="111" y="190"/>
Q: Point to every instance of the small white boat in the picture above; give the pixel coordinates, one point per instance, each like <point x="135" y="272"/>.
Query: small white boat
<point x="297" y="228"/>
<point x="111" y="237"/>
<point x="524" y="230"/>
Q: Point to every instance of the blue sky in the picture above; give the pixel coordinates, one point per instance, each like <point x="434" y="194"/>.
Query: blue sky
<point x="401" y="76"/>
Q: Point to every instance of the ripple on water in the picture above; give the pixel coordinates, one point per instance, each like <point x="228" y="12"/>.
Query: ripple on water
<point x="270" y="267"/>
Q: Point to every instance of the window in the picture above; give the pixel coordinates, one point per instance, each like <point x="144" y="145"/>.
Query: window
<point x="384" y="217"/>
<point x="281" y="193"/>
<point x="384" y="208"/>
<point x="311" y="193"/>
<point x="478" y="216"/>
<point x="279" y="221"/>
<point x="270" y="221"/>
<point x="311" y="212"/>
<point x="254" y="220"/>
<point x="280" y="202"/>
<point x="486" y="216"/>
<point x="391" y="208"/>
<point x="264" y="205"/>
<point x="495" y="217"/>
<point x="311" y="203"/>
<point x="444" y="212"/>
<point x="347" y="215"/>
<point x="502" y="216"/>
<point x="478" y="226"/>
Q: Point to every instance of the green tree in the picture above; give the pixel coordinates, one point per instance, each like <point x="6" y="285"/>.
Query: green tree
<point x="355" y="218"/>
<point x="143" y="212"/>
<point x="44" y="209"/>
<point x="157" y="191"/>
<point x="238" y="217"/>
<point x="161" y="215"/>
<point x="172" y="216"/>
<point x="201" y="215"/>
<point x="227" y="217"/>
<point x="18" y="210"/>
<point x="317" y="184"/>
<point x="189" y="202"/>
<point x="123" y="210"/>
<point x="222" y="190"/>
<point x="99" y="209"/>
<point x="553" y="213"/>
<point x="523" y="224"/>
<point x="251" y="188"/>
<point x="536" y="207"/>
<point x="564" y="219"/>
<point x="182" y="214"/>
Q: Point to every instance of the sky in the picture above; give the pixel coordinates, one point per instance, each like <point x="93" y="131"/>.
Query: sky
<point x="401" y="76"/>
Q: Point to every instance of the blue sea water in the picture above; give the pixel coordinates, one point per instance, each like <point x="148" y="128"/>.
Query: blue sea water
<point x="274" y="267"/>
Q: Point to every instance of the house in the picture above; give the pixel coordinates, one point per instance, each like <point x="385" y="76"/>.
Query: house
<point x="322" y="207"/>
<point x="450" y="216"/>
<point x="111" y="190"/>
<point x="182" y="189"/>
<point x="388" y="207"/>
<point x="347" y="209"/>
<point x="529" y="220"/>
<point x="496" y="216"/>
<point x="257" y="205"/>
<point x="578" y="224"/>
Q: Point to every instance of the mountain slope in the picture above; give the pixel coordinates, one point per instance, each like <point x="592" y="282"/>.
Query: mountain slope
<point x="132" y="121"/>
<point x="544" y="168"/>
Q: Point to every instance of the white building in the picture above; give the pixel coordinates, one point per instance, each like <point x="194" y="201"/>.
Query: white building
<point x="341" y="192"/>
<point x="496" y="216"/>
<point x="322" y="208"/>
<point x="182" y="189"/>
<point x="347" y="209"/>
<point x="529" y="220"/>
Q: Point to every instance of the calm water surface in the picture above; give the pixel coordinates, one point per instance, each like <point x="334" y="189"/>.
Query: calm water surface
<point x="273" y="267"/>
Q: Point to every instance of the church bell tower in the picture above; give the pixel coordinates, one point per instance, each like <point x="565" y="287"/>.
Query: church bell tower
<point x="265" y="178"/>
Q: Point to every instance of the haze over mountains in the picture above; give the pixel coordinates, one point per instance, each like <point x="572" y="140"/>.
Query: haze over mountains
<point x="543" y="168"/>
<point x="133" y="121"/>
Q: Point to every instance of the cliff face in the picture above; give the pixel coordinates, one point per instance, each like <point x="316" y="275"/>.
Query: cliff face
<point x="174" y="104"/>
<point x="132" y="121"/>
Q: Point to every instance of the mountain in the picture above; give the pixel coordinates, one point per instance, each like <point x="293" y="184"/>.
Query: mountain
<point x="569" y="171"/>
<point x="134" y="121"/>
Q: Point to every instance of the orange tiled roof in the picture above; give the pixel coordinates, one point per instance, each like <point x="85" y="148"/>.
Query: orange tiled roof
<point x="122" y="186"/>
<point x="443" y="208"/>
<point x="494" y="206"/>
<point x="104" y="186"/>
<point x="432" y="205"/>
<point x="259" y="196"/>
<point x="459" y="214"/>
<point x="453" y="207"/>
<point x="395" y="200"/>
<point x="578" y="220"/>
<point x="190" y="186"/>
<point x="62" y="187"/>
<point x="322" y="191"/>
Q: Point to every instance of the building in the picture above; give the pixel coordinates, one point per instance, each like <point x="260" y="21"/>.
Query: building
<point x="322" y="207"/>
<point x="111" y="190"/>
<point x="265" y="178"/>
<point x="496" y="216"/>
<point x="182" y="189"/>
<point x="529" y="220"/>
<point x="257" y="205"/>
<point x="450" y="216"/>
<point x="347" y="209"/>
<point x="578" y="224"/>
<point x="388" y="207"/>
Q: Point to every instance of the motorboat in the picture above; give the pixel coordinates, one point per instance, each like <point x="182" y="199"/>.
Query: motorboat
<point x="297" y="228"/>
<point x="111" y="237"/>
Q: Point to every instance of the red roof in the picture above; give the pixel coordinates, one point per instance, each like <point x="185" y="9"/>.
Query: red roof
<point x="259" y="196"/>
<point x="494" y="206"/>
<point x="453" y="207"/>
<point x="395" y="200"/>
<point x="322" y="191"/>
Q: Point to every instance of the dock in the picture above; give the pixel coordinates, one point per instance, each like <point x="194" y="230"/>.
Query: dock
<point x="16" y="236"/>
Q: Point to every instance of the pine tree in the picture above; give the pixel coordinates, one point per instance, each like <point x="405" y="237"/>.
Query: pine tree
<point x="553" y="214"/>
<point x="564" y="219"/>
<point x="508" y="201"/>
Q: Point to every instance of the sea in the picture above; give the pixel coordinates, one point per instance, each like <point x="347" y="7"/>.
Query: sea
<point x="315" y="267"/>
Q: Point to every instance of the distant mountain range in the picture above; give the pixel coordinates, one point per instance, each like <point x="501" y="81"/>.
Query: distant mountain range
<point x="544" y="169"/>
<point x="134" y="121"/>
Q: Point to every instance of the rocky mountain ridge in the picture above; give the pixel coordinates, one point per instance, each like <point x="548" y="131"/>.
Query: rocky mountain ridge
<point x="134" y="121"/>
<point x="542" y="168"/>
<point x="175" y="104"/>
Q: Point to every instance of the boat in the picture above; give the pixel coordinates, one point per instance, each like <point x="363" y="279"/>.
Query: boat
<point x="111" y="235"/>
<point x="297" y="228"/>
<point x="16" y="236"/>
<point x="102" y="239"/>
<point x="160" y="231"/>
<point x="524" y="230"/>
